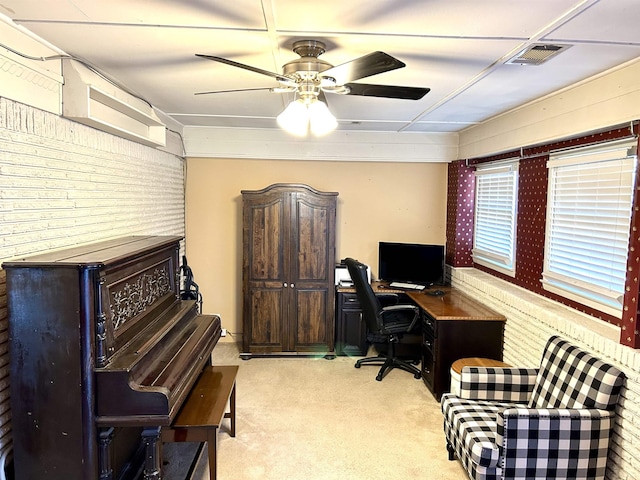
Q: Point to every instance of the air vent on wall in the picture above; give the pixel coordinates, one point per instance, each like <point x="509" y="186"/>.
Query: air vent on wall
<point x="91" y="100"/>
<point x="536" y="54"/>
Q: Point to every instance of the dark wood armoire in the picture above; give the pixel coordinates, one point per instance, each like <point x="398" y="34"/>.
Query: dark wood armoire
<point x="288" y="271"/>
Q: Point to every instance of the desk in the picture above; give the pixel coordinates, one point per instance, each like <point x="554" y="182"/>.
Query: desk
<point x="455" y="326"/>
<point x="351" y="332"/>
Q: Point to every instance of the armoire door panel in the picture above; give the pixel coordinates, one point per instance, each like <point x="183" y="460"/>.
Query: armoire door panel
<point x="266" y="317"/>
<point x="311" y="326"/>
<point x="267" y="240"/>
<point x="312" y="242"/>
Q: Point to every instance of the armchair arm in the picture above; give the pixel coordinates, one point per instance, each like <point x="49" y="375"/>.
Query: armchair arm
<point x="554" y="442"/>
<point x="501" y="384"/>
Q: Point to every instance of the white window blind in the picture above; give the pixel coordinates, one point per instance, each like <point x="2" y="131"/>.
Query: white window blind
<point x="494" y="236"/>
<point x="589" y="205"/>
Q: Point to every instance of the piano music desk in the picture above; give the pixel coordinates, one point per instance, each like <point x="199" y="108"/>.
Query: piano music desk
<point x="204" y="409"/>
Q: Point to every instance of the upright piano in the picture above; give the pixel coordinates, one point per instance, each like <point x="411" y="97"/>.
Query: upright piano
<point x="103" y="353"/>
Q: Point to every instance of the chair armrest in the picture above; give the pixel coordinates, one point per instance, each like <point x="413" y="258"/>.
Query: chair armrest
<point x="387" y="299"/>
<point x="501" y="384"/>
<point x="401" y="307"/>
<point x="558" y="442"/>
<point x="413" y="310"/>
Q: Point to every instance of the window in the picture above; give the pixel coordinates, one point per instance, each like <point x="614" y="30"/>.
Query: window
<point x="588" y="218"/>
<point x="494" y="236"/>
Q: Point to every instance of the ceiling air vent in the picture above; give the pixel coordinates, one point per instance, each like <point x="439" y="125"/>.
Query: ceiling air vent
<point x="537" y="54"/>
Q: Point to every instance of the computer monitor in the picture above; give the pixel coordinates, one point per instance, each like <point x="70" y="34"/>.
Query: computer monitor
<point x="411" y="262"/>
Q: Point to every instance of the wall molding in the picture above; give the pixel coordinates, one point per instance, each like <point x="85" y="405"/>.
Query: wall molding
<point x="271" y="144"/>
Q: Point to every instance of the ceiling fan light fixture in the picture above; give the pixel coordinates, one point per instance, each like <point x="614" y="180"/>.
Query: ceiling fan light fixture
<point x="295" y="118"/>
<point x="302" y="115"/>
<point x="321" y="120"/>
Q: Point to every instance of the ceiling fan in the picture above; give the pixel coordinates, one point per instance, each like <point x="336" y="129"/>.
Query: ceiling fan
<point x="309" y="76"/>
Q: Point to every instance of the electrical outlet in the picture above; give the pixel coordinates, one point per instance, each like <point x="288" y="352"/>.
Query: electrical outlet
<point x="224" y="332"/>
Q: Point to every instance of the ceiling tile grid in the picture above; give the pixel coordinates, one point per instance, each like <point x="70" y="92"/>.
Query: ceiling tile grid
<point x="457" y="48"/>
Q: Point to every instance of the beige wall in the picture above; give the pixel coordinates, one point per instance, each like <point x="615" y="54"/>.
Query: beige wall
<point x="377" y="201"/>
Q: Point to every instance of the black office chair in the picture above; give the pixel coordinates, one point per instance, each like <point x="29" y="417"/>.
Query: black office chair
<point x="385" y="324"/>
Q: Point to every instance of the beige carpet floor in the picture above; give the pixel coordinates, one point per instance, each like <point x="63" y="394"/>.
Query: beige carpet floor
<point x="316" y="419"/>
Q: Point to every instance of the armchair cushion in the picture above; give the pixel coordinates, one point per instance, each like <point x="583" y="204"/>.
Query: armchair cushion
<point x="502" y="384"/>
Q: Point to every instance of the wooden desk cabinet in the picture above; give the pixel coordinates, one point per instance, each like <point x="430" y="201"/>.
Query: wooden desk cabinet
<point x="351" y="332"/>
<point x="455" y="326"/>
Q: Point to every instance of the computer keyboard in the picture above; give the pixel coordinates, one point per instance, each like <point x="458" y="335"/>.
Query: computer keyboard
<point x="408" y="286"/>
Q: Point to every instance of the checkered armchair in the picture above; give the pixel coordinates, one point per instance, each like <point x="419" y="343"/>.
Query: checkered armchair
<point x="551" y="422"/>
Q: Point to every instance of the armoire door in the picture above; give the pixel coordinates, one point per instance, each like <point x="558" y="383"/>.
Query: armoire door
<point x="266" y="261"/>
<point x="312" y="308"/>
<point x="288" y="269"/>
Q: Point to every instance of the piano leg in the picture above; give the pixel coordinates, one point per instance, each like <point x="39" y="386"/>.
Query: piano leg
<point x="106" y="469"/>
<point x="153" y="455"/>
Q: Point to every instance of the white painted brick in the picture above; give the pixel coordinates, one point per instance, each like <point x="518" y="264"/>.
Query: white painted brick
<point x="57" y="175"/>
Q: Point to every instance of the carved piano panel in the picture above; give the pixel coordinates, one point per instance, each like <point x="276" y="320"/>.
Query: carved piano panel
<point x="135" y="290"/>
<point x="103" y="353"/>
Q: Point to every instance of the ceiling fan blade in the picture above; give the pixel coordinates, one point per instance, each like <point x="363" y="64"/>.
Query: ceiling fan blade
<point x="371" y="64"/>
<point x="230" y="91"/>
<point x="277" y="76"/>
<point x="387" y="91"/>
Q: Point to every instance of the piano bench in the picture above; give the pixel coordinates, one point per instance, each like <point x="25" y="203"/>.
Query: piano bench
<point x="204" y="409"/>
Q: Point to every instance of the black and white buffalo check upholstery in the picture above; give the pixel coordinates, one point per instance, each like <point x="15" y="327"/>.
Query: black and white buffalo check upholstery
<point x="519" y="423"/>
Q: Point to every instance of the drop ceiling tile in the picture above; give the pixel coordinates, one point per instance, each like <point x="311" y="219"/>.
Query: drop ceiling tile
<point x="451" y="18"/>
<point x="236" y="14"/>
<point x="605" y="21"/>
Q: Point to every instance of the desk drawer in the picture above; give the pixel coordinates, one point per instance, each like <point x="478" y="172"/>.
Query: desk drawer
<point x="428" y="350"/>
<point x="428" y="326"/>
<point x="428" y="367"/>
<point x="349" y="300"/>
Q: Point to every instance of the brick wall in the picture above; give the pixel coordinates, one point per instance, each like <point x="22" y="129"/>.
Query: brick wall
<point x="62" y="183"/>
<point x="532" y="319"/>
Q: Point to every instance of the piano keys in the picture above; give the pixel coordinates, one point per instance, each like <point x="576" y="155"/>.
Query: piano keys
<point x="103" y="353"/>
